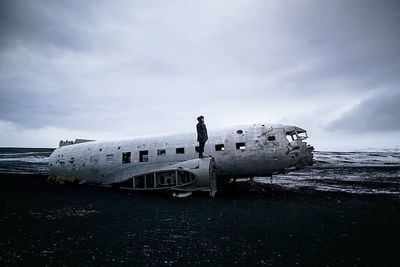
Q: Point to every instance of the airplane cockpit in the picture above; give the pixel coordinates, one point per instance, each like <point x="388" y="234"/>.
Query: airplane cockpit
<point x="293" y="133"/>
<point x="296" y="137"/>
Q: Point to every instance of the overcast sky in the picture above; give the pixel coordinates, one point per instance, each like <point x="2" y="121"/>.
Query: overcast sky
<point x="119" y="69"/>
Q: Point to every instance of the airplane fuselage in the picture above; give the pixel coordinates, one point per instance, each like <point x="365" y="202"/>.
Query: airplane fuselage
<point x="241" y="151"/>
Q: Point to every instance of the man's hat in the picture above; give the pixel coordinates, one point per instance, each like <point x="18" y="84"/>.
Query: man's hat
<point x="200" y="118"/>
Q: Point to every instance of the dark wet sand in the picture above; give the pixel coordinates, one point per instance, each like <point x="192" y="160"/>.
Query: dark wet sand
<point x="52" y="224"/>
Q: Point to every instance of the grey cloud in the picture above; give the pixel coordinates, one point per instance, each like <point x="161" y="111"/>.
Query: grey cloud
<point x="353" y="41"/>
<point x="357" y="41"/>
<point x="99" y="64"/>
<point x="380" y="113"/>
<point x="33" y="108"/>
<point x="62" y="24"/>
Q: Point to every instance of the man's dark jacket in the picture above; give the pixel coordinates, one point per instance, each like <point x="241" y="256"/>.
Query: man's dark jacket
<point x="201" y="132"/>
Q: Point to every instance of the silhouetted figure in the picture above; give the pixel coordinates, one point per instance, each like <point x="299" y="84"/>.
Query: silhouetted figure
<point x="202" y="136"/>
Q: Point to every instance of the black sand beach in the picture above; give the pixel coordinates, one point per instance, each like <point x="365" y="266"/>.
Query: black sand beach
<point x="51" y="224"/>
<point x="345" y="210"/>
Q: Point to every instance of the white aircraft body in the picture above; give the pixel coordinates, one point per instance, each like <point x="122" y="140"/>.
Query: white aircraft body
<point x="172" y="162"/>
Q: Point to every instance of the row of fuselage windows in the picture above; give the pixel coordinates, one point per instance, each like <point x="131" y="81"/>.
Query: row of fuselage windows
<point x="144" y="154"/>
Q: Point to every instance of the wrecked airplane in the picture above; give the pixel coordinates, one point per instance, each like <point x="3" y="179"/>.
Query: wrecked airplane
<point x="172" y="163"/>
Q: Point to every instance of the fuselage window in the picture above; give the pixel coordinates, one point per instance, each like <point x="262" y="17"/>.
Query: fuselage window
<point x="161" y="152"/>
<point x="219" y="147"/>
<point x="271" y="138"/>
<point x="110" y="157"/>
<point x="241" y="146"/>
<point x="180" y="150"/>
<point x="126" y="157"/>
<point x="144" y="156"/>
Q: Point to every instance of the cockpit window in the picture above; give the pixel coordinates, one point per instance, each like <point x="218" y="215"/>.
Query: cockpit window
<point x="292" y="136"/>
<point x="302" y="135"/>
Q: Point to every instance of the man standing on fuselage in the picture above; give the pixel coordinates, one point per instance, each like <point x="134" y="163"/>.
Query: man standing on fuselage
<point x="202" y="136"/>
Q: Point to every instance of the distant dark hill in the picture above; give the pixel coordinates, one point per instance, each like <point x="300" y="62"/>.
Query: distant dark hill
<point x="24" y="149"/>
